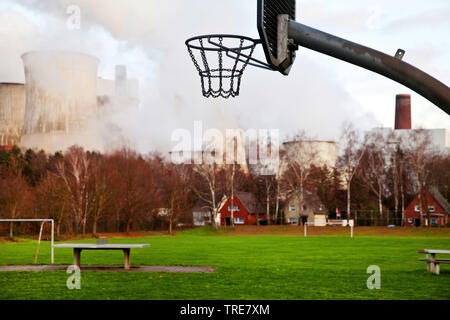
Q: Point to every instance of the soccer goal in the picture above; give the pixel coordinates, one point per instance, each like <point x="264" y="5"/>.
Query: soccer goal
<point x="344" y="223"/>
<point x="40" y="233"/>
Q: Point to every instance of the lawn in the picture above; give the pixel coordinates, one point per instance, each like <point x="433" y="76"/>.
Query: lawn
<point x="250" y="266"/>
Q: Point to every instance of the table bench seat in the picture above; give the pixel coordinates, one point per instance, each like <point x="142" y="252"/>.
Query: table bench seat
<point x="78" y="247"/>
<point x="436" y="261"/>
<point x="433" y="263"/>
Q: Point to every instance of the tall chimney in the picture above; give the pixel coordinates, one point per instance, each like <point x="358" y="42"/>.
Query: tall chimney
<point x="403" y="111"/>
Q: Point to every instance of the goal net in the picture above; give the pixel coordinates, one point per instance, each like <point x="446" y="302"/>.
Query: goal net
<point x="344" y="223"/>
<point x="42" y="221"/>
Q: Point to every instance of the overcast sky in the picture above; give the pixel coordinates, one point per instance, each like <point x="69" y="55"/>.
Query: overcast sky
<point x="319" y="94"/>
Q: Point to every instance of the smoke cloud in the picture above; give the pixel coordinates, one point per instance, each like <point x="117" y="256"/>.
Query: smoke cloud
<point x="148" y="37"/>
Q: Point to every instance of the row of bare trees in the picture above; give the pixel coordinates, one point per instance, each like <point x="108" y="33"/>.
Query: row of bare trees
<point x="392" y="166"/>
<point x="80" y="190"/>
<point x="85" y="192"/>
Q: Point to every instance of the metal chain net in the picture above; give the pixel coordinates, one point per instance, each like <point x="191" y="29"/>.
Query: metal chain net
<point x="223" y="75"/>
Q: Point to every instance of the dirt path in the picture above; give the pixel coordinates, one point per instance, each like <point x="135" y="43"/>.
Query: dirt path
<point x="111" y="268"/>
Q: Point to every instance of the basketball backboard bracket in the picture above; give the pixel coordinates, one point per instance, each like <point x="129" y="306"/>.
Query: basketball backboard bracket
<point x="280" y="36"/>
<point x="286" y="47"/>
<point x="272" y="23"/>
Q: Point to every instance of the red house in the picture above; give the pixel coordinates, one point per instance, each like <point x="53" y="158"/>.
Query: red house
<point x="438" y="209"/>
<point x="245" y="210"/>
<point x="6" y="148"/>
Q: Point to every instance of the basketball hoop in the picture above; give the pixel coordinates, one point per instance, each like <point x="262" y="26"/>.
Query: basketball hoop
<point x="233" y="54"/>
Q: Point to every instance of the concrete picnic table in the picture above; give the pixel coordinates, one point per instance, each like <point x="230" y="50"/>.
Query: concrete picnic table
<point x="433" y="263"/>
<point x="77" y="247"/>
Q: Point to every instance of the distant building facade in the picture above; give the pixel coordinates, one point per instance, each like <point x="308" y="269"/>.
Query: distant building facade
<point x="325" y="152"/>
<point x="12" y="112"/>
<point x="439" y="138"/>
<point x="437" y="207"/>
<point x="246" y="210"/>
<point x="312" y="211"/>
<point x="201" y="214"/>
<point x="63" y="103"/>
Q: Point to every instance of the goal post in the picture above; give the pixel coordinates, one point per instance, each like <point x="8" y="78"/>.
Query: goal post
<point x="40" y="233"/>
<point x="344" y="223"/>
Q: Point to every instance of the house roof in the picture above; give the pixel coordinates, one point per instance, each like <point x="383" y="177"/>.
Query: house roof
<point x="311" y="200"/>
<point x="440" y="199"/>
<point x="248" y="200"/>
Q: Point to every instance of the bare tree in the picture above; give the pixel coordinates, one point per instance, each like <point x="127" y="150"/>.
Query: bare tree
<point x="352" y="151"/>
<point x="134" y="188"/>
<point x="73" y="169"/>
<point x="266" y="175"/>
<point x="209" y="183"/>
<point x="419" y="154"/>
<point x="440" y="169"/>
<point x="52" y="199"/>
<point x="401" y="166"/>
<point x="174" y="195"/>
<point x="100" y="185"/>
<point x="278" y="181"/>
<point x="396" y="158"/>
<point x="373" y="168"/>
<point x="268" y="183"/>
<point x="15" y="198"/>
<point x="205" y="187"/>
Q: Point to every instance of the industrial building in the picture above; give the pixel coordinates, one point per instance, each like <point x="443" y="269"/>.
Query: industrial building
<point x="63" y="102"/>
<point x="12" y="112"/>
<point x="321" y="152"/>
<point x="115" y="98"/>
<point x="122" y="92"/>
<point x="439" y="137"/>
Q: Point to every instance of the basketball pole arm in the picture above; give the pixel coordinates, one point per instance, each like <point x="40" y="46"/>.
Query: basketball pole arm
<point x="391" y="67"/>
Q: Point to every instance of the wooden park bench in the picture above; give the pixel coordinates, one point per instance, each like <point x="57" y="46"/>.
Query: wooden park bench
<point x="77" y="247"/>
<point x="433" y="263"/>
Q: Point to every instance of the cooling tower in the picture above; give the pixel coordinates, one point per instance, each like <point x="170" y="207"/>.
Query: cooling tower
<point x="12" y="111"/>
<point x="61" y="101"/>
<point x="403" y="111"/>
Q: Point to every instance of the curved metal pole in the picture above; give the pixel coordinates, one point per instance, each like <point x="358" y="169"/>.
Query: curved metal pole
<point x="376" y="61"/>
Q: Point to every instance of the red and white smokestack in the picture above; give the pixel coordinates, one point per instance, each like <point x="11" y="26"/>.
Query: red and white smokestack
<point x="403" y="111"/>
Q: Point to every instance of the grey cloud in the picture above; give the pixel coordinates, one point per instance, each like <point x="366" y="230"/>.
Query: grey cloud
<point x="430" y="19"/>
<point x="152" y="35"/>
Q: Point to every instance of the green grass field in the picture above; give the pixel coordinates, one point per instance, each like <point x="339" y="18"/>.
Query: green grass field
<point x="249" y="267"/>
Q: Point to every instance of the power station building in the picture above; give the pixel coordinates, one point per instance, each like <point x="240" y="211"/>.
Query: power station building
<point x="62" y="103"/>
<point x="316" y="152"/>
<point x="12" y="112"/>
<point x="439" y="138"/>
